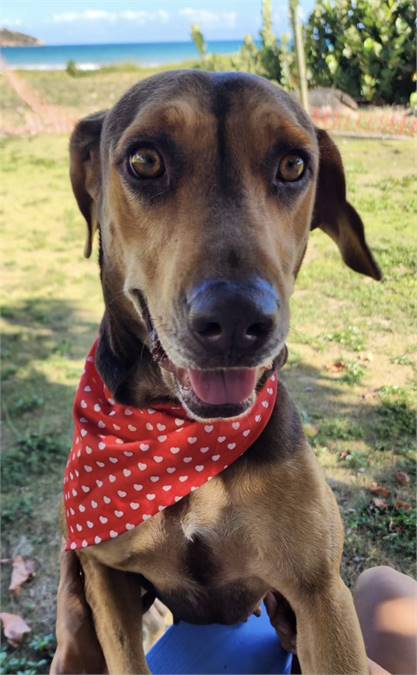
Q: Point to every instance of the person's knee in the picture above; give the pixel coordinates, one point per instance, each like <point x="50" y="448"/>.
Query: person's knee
<point x="381" y="581"/>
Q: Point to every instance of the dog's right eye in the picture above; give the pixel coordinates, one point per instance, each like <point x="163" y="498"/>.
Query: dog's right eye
<point x="146" y="163"/>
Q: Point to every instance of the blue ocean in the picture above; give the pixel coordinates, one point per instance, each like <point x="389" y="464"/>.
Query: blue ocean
<point x="90" y="57"/>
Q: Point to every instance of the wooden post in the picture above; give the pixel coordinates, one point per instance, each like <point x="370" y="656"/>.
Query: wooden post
<point x="299" y="52"/>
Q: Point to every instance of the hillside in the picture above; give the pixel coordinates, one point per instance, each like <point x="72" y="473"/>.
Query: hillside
<point x="12" y="38"/>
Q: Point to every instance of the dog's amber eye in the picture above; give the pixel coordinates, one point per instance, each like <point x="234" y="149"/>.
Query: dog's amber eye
<point x="291" y="168"/>
<point x="146" y="163"/>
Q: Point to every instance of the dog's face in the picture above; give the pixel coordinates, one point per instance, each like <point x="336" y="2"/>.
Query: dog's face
<point x="205" y="187"/>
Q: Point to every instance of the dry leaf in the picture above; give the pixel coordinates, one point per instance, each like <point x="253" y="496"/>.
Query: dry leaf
<point x="14" y="628"/>
<point x="336" y="367"/>
<point x="402" y="477"/>
<point x="23" y="570"/>
<point x="380" y="503"/>
<point x="400" y="505"/>
<point x="379" y="490"/>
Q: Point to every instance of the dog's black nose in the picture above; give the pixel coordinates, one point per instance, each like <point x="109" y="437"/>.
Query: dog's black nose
<point x="231" y="317"/>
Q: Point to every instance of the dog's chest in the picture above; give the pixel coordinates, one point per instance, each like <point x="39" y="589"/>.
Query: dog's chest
<point x="201" y="557"/>
<point x="214" y="575"/>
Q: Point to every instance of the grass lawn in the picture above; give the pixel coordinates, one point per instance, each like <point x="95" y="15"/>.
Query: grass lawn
<point x="350" y="370"/>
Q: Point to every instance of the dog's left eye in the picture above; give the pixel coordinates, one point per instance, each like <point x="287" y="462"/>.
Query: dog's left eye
<point x="290" y="168"/>
<point x="146" y="163"/>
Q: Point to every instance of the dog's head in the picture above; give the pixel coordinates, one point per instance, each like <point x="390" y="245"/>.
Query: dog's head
<point x="205" y="188"/>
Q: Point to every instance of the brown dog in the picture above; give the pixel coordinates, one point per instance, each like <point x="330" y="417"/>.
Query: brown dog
<point x="204" y="188"/>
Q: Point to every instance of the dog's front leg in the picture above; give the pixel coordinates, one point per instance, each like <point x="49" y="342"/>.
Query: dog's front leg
<point x="329" y="638"/>
<point x="114" y="598"/>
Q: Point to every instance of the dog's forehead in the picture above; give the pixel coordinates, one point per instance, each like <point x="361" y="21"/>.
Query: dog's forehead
<point x="187" y="98"/>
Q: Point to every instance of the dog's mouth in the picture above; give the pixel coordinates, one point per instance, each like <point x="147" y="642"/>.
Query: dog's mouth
<point x="212" y="393"/>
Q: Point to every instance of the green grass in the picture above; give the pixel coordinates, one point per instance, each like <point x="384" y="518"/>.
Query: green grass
<point x="359" y="418"/>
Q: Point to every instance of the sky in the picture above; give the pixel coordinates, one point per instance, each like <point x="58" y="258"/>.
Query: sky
<point x="101" y="21"/>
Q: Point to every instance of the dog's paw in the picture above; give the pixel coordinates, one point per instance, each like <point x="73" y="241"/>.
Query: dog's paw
<point x="283" y="620"/>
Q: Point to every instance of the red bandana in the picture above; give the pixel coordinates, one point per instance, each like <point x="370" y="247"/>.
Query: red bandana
<point x="127" y="464"/>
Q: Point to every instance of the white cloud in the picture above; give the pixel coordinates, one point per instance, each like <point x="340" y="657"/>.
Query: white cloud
<point x="10" y="22"/>
<point x="141" y="17"/>
<point x="206" y="19"/>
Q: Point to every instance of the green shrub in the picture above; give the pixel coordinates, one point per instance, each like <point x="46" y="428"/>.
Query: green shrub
<point x="72" y="69"/>
<point x="364" y="47"/>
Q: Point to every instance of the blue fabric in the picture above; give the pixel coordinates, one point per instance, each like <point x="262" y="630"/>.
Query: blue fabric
<point x="251" y="647"/>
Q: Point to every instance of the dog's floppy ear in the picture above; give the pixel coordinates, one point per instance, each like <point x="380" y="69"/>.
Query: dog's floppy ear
<point x="333" y="213"/>
<point x="85" y="171"/>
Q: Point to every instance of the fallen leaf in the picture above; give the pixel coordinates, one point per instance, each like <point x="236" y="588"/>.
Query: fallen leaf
<point x="23" y="571"/>
<point x="336" y="367"/>
<point x="402" y="477"/>
<point x="14" y="628"/>
<point x="380" y="503"/>
<point x="379" y="490"/>
<point x="400" y="505"/>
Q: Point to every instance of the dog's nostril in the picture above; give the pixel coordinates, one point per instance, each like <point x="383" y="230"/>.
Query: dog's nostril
<point x="210" y="330"/>
<point x="258" y="329"/>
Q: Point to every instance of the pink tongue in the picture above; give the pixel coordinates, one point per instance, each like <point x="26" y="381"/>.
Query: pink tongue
<point x="219" y="387"/>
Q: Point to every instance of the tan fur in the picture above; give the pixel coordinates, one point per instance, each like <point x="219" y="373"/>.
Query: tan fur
<point x="269" y="521"/>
